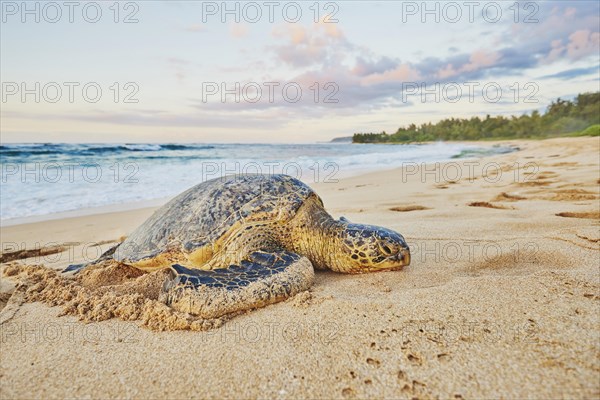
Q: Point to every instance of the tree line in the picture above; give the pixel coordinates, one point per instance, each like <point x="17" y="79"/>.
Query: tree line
<point x="579" y="117"/>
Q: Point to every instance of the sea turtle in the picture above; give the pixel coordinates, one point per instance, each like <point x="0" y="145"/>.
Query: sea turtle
<point x="244" y="241"/>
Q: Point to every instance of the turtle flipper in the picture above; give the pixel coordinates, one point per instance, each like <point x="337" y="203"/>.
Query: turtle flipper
<point x="104" y="256"/>
<point x="262" y="278"/>
<point x="75" y="268"/>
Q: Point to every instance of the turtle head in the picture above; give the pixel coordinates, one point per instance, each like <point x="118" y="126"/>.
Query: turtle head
<point x="368" y="248"/>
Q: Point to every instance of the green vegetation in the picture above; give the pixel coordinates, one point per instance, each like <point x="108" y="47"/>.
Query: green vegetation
<point x="580" y="117"/>
<point x="593" y="130"/>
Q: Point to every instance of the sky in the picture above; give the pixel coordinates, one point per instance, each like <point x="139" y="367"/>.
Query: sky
<point x="277" y="71"/>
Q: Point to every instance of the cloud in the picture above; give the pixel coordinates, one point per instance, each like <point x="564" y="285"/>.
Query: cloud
<point x="362" y="80"/>
<point x="179" y="66"/>
<point x="324" y="43"/>
<point x="581" y="43"/>
<point x="570" y="12"/>
<point x="364" y="67"/>
<point x="481" y="59"/>
<point x="573" y="73"/>
<point x="323" y="54"/>
<point x="177" y="61"/>
<point x="564" y="31"/>
<point x="373" y="81"/>
<point x="161" y="118"/>
<point x="478" y="60"/>
<point x="195" y="28"/>
<point x="402" y="73"/>
<point x="238" y="30"/>
<point x="446" y="71"/>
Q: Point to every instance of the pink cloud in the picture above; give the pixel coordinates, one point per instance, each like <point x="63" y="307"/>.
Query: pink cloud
<point x="238" y="30"/>
<point x="557" y="50"/>
<point x="478" y="60"/>
<point x="446" y="72"/>
<point x="364" y="67"/>
<point x="402" y="73"/>
<point x="306" y="47"/>
<point x="195" y="28"/>
<point x="583" y="43"/>
<point x="330" y="29"/>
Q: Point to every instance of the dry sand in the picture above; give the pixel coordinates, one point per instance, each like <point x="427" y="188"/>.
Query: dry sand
<point x="501" y="299"/>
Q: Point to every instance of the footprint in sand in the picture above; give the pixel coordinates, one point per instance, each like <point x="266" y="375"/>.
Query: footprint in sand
<point x="446" y="184"/>
<point x="546" y="175"/>
<point x="4" y="297"/>
<point x="585" y="214"/>
<point x="542" y="178"/>
<point x="8" y="256"/>
<point x="508" y="197"/>
<point x="485" y="204"/>
<point x="409" y="208"/>
<point x="535" y="183"/>
<point x="586" y="237"/>
<point x="573" y="195"/>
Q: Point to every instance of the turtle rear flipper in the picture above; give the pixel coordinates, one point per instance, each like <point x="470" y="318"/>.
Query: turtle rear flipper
<point x="75" y="268"/>
<point x="262" y="278"/>
<point x="105" y="256"/>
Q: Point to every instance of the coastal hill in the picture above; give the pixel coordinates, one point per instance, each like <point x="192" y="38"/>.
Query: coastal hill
<point x="343" y="139"/>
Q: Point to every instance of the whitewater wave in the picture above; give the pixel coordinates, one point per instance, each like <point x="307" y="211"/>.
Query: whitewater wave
<point x="40" y="179"/>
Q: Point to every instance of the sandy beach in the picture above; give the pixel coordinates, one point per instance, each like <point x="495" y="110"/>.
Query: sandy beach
<point x="500" y="301"/>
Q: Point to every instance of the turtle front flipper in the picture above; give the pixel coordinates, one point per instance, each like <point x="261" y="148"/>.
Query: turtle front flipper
<point x="262" y="278"/>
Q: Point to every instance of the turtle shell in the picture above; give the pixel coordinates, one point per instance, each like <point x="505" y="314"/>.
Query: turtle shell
<point x="203" y="213"/>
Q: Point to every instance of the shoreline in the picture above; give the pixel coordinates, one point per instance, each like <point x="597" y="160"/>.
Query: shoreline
<point x="85" y="212"/>
<point x="154" y="203"/>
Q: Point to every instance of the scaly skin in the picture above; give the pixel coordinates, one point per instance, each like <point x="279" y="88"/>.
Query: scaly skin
<point x="340" y="245"/>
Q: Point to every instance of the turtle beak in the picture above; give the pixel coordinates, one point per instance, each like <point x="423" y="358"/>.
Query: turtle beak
<point x="406" y="257"/>
<point x="401" y="258"/>
<point x="394" y="262"/>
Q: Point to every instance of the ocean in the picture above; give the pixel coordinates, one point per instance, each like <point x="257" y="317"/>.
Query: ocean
<point x="43" y="179"/>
